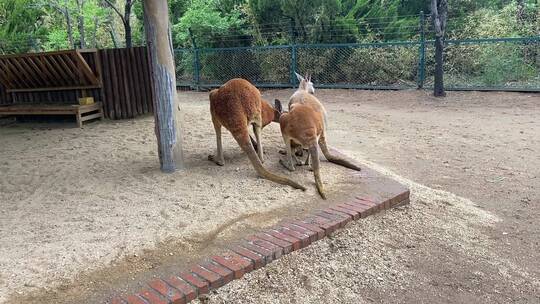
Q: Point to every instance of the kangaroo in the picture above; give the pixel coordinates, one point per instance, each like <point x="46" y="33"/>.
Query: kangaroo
<point x="303" y="126"/>
<point x="304" y="96"/>
<point x="236" y="105"/>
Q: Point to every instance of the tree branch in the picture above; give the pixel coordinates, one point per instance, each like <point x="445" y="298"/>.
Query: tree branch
<point x="116" y="10"/>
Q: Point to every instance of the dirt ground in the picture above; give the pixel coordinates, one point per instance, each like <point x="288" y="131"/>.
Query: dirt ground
<point x="470" y="234"/>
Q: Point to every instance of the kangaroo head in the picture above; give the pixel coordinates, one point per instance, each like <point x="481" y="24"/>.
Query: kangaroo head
<point x="305" y="83"/>
<point x="278" y="110"/>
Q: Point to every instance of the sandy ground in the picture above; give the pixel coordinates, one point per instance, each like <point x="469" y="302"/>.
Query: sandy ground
<point x="76" y="201"/>
<point x="470" y="234"/>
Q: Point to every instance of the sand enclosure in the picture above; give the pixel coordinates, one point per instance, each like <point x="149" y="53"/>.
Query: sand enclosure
<point x="63" y="216"/>
<point x="75" y="200"/>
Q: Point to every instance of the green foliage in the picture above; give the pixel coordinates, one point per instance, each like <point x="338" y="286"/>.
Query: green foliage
<point x="206" y="23"/>
<point x="20" y="25"/>
<point x="505" y="67"/>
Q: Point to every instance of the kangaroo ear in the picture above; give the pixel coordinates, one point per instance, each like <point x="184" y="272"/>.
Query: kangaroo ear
<point x="277" y="106"/>
<point x="300" y="78"/>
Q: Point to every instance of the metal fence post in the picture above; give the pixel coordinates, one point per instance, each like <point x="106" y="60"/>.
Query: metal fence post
<point x="293" y="55"/>
<point x="422" y="53"/>
<point x="196" y="63"/>
<point x="197" y="69"/>
<point x="293" y="65"/>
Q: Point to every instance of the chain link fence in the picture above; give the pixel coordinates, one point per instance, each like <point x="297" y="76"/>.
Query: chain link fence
<point x="478" y="64"/>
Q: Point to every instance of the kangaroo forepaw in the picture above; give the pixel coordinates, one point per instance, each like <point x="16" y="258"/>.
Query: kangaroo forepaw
<point x="287" y="165"/>
<point x="218" y="162"/>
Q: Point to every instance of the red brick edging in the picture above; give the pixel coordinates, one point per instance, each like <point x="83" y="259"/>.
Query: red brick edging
<point x="256" y="251"/>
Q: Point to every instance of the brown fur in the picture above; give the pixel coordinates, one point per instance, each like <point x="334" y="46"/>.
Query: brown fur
<point x="303" y="127"/>
<point x="303" y="97"/>
<point x="236" y="105"/>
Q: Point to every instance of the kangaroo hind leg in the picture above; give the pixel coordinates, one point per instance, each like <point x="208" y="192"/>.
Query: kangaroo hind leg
<point x="218" y="157"/>
<point x="315" y="165"/>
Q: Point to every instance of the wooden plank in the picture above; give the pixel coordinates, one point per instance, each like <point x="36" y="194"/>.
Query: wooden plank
<point x="5" y="81"/>
<point x="22" y="112"/>
<point x="28" y="80"/>
<point x="34" y="54"/>
<point x="138" y="79"/>
<point x="67" y="69"/>
<point x="91" y="116"/>
<point x="99" y="71"/>
<point x="91" y="50"/>
<point x="59" y="67"/>
<point x="35" y="73"/>
<point x="147" y="79"/>
<point x="99" y="74"/>
<point x="121" y="90"/>
<point x="125" y="82"/>
<point x="85" y="69"/>
<point x="51" y="67"/>
<point x="106" y="94"/>
<point x="132" y="86"/>
<point x="115" y="87"/>
<point x="87" y="87"/>
<point x="136" y="85"/>
<point x="44" y="73"/>
<point x="12" y="74"/>
<point x="89" y="108"/>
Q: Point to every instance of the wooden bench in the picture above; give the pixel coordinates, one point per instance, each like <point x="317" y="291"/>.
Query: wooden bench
<point x="82" y="112"/>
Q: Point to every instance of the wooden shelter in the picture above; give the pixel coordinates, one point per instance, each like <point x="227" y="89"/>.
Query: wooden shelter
<point x="51" y="83"/>
<point x="52" y="71"/>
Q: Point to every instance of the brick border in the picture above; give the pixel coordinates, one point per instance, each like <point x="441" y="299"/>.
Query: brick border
<point x="257" y="250"/>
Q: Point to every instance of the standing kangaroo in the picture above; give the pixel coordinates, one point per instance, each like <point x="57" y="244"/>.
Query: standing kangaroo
<point x="236" y="105"/>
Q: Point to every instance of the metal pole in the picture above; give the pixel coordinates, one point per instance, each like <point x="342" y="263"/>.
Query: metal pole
<point x="422" y="51"/>
<point x="196" y="63"/>
<point x="292" y="76"/>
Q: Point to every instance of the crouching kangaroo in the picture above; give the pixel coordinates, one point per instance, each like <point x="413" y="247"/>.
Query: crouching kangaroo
<point x="236" y="105"/>
<point x="303" y="127"/>
<point x="304" y="96"/>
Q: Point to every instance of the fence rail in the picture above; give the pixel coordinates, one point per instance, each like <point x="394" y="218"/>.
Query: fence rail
<point x="511" y="64"/>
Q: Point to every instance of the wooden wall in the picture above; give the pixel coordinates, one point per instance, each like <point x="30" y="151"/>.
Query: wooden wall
<point x="126" y="90"/>
<point x="5" y="98"/>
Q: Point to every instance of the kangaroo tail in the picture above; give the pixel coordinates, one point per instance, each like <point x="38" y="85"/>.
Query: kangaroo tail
<point x="336" y="158"/>
<point x="246" y="145"/>
<point x="315" y="165"/>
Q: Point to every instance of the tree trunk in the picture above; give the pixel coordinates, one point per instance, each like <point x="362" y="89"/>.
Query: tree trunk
<point x="438" y="89"/>
<point x="439" y="13"/>
<point x="127" y="29"/>
<point x="127" y="22"/>
<point x="80" y="18"/>
<point x="69" y="27"/>
<point x="112" y="29"/>
<point x="166" y="111"/>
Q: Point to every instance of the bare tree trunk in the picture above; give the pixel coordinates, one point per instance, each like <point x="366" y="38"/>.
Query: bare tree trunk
<point x="166" y="111"/>
<point x="69" y="27"/>
<point x="439" y="63"/>
<point x="112" y="29"/>
<point x="69" y="30"/>
<point x="127" y="22"/>
<point x="439" y="13"/>
<point x="126" y="18"/>
<point x="80" y="19"/>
